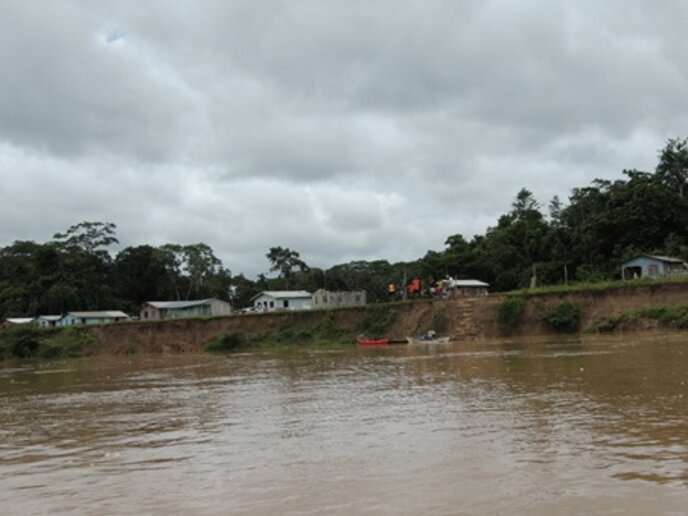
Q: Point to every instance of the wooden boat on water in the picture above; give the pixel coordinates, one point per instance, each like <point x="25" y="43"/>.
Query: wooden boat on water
<point x="364" y="341"/>
<point x="424" y="339"/>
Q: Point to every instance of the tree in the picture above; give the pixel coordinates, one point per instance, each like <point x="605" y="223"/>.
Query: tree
<point x="194" y="271"/>
<point x="285" y="261"/>
<point x="672" y="169"/>
<point x="139" y="275"/>
<point x="88" y="236"/>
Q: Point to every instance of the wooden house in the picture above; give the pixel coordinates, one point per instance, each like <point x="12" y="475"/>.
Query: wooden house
<point x="158" y="310"/>
<point x="327" y="298"/>
<point x="653" y="267"/>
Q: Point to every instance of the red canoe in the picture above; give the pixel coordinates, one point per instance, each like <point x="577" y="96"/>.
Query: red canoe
<point x="362" y="341"/>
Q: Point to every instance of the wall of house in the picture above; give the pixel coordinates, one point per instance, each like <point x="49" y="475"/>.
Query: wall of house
<point x="219" y="307"/>
<point x="150" y="313"/>
<point x="192" y="311"/>
<point x="326" y="298"/>
<point x="644" y="262"/>
<point x="70" y="320"/>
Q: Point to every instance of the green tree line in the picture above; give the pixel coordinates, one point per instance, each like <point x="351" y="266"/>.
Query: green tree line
<point x="584" y="239"/>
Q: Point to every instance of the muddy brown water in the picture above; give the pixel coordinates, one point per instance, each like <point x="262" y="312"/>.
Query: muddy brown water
<point x="565" y="426"/>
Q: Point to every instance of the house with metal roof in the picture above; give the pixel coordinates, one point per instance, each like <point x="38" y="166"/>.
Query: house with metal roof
<point x="96" y="317"/>
<point x="467" y="287"/>
<point x="48" y="321"/>
<point x="15" y="321"/>
<point x="281" y="300"/>
<point x="651" y="266"/>
<point x="159" y="310"/>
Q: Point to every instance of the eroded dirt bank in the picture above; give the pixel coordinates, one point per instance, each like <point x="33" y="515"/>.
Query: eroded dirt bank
<point x="466" y="318"/>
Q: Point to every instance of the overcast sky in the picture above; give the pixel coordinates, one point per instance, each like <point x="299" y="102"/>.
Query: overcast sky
<point x="351" y="129"/>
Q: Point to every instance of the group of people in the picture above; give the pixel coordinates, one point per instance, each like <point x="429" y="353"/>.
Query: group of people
<point x="414" y="288"/>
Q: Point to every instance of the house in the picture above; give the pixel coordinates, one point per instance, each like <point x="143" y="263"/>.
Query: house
<point x="467" y="287"/>
<point x="274" y="300"/>
<point x="653" y="267"/>
<point x="101" y="317"/>
<point x="16" y="321"/>
<point x="48" y="321"/>
<point x="327" y="298"/>
<point x="158" y="310"/>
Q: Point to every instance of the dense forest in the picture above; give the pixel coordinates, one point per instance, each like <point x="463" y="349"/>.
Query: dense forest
<point x="585" y="239"/>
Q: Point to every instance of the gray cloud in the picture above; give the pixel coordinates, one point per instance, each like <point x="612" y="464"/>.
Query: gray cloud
<point x="345" y="130"/>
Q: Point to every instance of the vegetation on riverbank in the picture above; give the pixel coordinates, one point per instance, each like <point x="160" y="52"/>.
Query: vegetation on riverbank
<point x="32" y="342"/>
<point x="295" y="330"/>
<point x="598" y="286"/>
<point x="563" y="318"/>
<point x="674" y="317"/>
<point x="510" y="314"/>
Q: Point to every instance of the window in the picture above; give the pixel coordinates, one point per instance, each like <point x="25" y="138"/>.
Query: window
<point x="285" y="303"/>
<point x="272" y="304"/>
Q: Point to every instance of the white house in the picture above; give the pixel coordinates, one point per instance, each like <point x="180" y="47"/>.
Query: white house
<point x="468" y="287"/>
<point x="156" y="310"/>
<point x="280" y="300"/>
<point x="102" y="317"/>
<point x="48" y="321"/>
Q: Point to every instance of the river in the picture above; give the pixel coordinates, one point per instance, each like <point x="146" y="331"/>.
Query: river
<point x="566" y="426"/>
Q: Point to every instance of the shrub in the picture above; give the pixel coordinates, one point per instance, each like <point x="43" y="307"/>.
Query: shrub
<point x="565" y="317"/>
<point x="377" y="320"/>
<point x="510" y="314"/>
<point x="223" y="343"/>
<point x="19" y="342"/>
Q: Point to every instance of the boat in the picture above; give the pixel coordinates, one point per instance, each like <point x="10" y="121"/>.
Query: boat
<point x="424" y="339"/>
<point x="364" y="341"/>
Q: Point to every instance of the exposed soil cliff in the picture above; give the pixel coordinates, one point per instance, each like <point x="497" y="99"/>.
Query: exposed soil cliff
<point x="464" y="318"/>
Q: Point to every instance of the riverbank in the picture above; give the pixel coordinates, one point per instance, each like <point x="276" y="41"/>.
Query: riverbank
<point x="637" y="307"/>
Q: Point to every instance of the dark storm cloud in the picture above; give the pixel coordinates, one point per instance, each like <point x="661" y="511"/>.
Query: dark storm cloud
<point x="343" y="129"/>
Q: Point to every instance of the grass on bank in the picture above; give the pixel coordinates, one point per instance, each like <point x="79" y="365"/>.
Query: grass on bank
<point x="669" y="316"/>
<point x="597" y="286"/>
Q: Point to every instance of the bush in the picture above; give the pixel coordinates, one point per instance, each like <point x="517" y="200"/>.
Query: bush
<point x="19" y="342"/>
<point x="510" y="314"/>
<point x="377" y="320"/>
<point x="224" y="343"/>
<point x="565" y="317"/>
<point x="30" y="341"/>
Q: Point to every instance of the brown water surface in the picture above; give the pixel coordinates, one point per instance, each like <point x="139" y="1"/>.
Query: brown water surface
<point x="562" y="426"/>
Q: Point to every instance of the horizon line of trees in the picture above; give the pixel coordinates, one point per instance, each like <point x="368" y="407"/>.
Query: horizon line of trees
<point x="586" y="239"/>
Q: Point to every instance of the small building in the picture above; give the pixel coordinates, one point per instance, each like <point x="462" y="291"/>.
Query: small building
<point x="100" y="317"/>
<point x="158" y="310"/>
<point x="467" y="287"/>
<point x="16" y="321"/>
<point x="653" y="267"/>
<point x="280" y="300"/>
<point x="48" y="321"/>
<point x="327" y="298"/>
